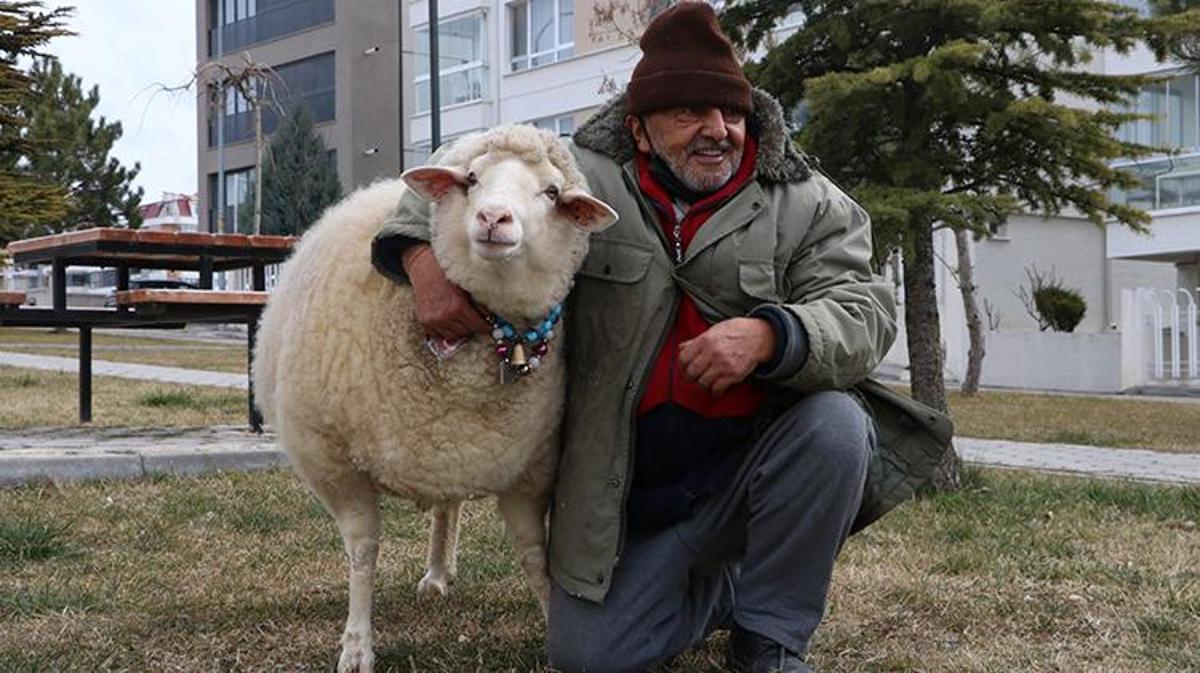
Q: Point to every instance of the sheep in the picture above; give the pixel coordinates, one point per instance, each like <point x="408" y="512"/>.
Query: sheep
<point x="360" y="405"/>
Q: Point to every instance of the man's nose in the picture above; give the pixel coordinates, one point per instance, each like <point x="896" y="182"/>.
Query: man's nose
<point x="714" y="124"/>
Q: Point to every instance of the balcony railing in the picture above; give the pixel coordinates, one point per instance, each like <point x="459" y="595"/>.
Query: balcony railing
<point x="240" y="126"/>
<point x="272" y="23"/>
<point x="1167" y="182"/>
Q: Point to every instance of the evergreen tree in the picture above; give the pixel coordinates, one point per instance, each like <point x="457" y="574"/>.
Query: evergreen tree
<point x="71" y="149"/>
<point x="957" y="113"/>
<point x="25" y="27"/>
<point x="299" y="177"/>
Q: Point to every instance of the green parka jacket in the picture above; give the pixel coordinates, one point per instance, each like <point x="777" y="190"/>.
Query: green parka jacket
<point x="789" y="238"/>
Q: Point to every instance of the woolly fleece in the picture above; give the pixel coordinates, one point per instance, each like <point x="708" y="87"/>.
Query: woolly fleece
<point x="342" y="371"/>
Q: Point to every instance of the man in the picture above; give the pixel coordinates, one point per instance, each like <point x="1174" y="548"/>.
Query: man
<point x="711" y="468"/>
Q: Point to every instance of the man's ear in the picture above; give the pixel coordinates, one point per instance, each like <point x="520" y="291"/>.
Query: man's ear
<point x="637" y="129"/>
<point x="434" y="182"/>
<point x="588" y="213"/>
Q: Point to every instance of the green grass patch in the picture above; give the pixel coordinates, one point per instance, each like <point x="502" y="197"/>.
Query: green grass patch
<point x="185" y="398"/>
<point x="45" y="601"/>
<point x="22" y="541"/>
<point x="19" y="379"/>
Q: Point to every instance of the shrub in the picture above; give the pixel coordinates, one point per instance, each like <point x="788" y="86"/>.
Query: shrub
<point x="1052" y="304"/>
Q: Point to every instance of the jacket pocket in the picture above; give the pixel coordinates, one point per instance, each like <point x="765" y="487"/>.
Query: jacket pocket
<point x="757" y="279"/>
<point x="912" y="441"/>
<point x="607" y="301"/>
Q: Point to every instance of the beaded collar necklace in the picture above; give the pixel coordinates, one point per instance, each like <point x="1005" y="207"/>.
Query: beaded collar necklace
<point x="511" y="343"/>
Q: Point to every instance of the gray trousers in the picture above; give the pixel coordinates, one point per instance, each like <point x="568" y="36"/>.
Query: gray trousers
<point x="761" y="554"/>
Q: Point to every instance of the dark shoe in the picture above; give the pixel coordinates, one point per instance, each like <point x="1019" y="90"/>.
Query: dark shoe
<point x="752" y="653"/>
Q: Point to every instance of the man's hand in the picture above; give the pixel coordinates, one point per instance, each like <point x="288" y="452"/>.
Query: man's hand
<point x="442" y="308"/>
<point x="726" y="353"/>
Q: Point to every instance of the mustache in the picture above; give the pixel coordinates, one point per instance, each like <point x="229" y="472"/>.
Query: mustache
<point x="702" y="144"/>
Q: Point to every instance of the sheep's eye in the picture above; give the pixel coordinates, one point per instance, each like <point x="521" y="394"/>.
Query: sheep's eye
<point x="552" y="192"/>
<point x="472" y="180"/>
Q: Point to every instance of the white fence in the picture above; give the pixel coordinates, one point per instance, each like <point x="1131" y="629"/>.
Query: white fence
<point x="1159" y="330"/>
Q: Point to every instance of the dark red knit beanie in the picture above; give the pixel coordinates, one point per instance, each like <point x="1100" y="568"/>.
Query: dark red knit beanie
<point x="687" y="61"/>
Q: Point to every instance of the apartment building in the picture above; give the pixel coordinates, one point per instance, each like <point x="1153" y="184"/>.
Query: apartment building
<point x="340" y="58"/>
<point x="544" y="62"/>
<point x="550" y="63"/>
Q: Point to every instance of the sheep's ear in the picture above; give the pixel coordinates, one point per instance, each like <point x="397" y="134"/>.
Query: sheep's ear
<point x="434" y="182"/>
<point x="587" y="212"/>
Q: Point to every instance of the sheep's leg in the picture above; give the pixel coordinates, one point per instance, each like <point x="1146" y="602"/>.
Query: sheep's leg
<point x="525" y="519"/>
<point x="352" y="500"/>
<point x="441" y="566"/>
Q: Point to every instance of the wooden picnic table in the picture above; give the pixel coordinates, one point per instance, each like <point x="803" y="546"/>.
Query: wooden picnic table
<point x="126" y="249"/>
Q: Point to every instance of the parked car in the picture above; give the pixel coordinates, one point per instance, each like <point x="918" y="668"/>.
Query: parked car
<point x="156" y="284"/>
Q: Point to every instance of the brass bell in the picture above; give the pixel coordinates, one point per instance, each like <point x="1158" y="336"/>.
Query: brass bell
<point x="517" y="357"/>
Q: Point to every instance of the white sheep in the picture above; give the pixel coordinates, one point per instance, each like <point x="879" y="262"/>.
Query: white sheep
<point x="361" y="406"/>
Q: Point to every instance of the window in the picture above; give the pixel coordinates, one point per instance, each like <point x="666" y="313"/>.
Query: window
<point x="239" y="194"/>
<point x="462" y="44"/>
<point x="563" y="125"/>
<point x="1172" y="182"/>
<point x="543" y="31"/>
<point x="1175" y="115"/>
<point x="309" y="82"/>
<point x="246" y="22"/>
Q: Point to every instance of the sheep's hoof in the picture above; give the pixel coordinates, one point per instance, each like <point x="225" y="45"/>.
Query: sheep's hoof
<point x="357" y="654"/>
<point x="433" y="586"/>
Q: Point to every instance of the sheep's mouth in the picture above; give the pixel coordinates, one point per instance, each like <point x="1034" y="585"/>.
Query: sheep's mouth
<point x="495" y="248"/>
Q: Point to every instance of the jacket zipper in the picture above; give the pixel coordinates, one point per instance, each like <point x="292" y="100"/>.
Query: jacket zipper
<point x="640" y="388"/>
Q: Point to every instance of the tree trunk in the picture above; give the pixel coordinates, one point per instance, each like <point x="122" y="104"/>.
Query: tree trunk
<point x="966" y="285"/>
<point x="925" y="340"/>
<point x="258" y="162"/>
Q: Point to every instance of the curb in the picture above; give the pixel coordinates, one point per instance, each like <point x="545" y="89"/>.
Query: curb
<point x="21" y="467"/>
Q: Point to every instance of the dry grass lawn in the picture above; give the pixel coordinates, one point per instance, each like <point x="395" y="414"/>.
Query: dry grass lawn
<point x="121" y="348"/>
<point x="1161" y="425"/>
<point x="32" y="398"/>
<point x="244" y="572"/>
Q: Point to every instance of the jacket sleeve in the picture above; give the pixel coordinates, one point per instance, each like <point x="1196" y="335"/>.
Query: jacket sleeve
<point x="846" y="315"/>
<point x="408" y="226"/>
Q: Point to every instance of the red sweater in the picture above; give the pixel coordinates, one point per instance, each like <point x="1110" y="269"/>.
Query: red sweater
<point x="668" y="382"/>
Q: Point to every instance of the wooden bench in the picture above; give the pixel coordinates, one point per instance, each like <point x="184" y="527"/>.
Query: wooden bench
<point x="248" y="298"/>
<point x="11" y="299"/>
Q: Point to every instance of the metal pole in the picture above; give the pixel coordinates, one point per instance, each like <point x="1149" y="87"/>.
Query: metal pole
<point x="85" y="374"/>
<point x="400" y="81"/>
<point x="435" y="81"/>
<point x="220" y="123"/>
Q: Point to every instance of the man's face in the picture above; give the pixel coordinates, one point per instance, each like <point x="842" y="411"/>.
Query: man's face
<point x="701" y="145"/>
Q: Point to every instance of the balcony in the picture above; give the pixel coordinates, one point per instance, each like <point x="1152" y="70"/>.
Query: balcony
<point x="1166" y="183"/>
<point x="238" y="127"/>
<point x="271" y="24"/>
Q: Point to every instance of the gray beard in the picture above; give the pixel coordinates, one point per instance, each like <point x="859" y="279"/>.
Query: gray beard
<point x="695" y="180"/>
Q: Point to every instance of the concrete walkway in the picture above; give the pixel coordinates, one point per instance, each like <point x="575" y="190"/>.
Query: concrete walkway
<point x="68" y="454"/>
<point x="71" y="454"/>
<point x="126" y="370"/>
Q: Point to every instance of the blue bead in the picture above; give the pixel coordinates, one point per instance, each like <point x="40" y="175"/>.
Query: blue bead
<point x="508" y="331"/>
<point x="531" y="336"/>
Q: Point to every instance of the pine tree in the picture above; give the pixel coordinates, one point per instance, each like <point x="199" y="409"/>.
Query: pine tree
<point x="299" y="177"/>
<point x="25" y="27"/>
<point x="71" y="149"/>
<point x="957" y="113"/>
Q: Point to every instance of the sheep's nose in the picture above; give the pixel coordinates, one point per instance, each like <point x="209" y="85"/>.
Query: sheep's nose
<point x="493" y="216"/>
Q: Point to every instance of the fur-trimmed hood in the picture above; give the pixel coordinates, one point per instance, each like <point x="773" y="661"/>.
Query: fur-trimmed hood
<point x="779" y="160"/>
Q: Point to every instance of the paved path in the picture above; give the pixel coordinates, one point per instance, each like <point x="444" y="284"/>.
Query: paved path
<point x="81" y="453"/>
<point x="69" y="454"/>
<point x="126" y="370"/>
<point x="1137" y="464"/>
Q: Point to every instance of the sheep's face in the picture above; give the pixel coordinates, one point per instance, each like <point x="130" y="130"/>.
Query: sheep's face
<point x="500" y="206"/>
